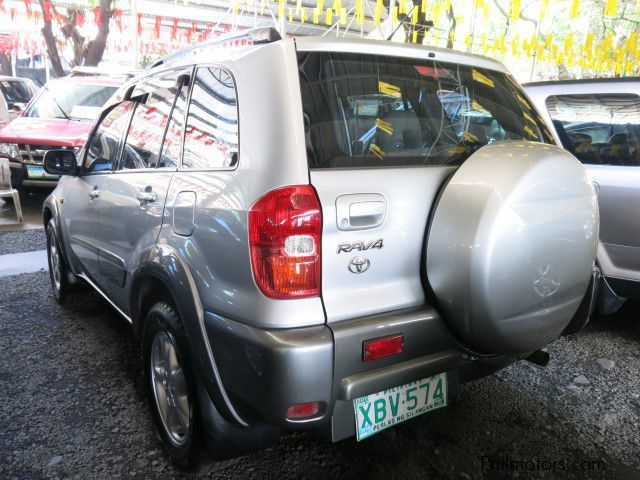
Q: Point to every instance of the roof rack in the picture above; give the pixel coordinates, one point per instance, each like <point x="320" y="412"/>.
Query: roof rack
<point x="255" y="36"/>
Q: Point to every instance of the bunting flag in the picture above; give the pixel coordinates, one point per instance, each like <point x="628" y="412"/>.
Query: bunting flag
<point x="117" y="16"/>
<point x="97" y="16"/>
<point x="575" y="9"/>
<point x="611" y="8"/>
<point x="515" y="10"/>
<point x="47" y="11"/>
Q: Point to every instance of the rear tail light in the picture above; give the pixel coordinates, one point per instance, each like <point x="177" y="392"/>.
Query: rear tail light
<point x="300" y="411"/>
<point x="284" y="237"/>
<point x="382" y="347"/>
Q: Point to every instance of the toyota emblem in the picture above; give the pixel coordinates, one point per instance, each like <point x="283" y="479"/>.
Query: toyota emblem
<point x="359" y="265"/>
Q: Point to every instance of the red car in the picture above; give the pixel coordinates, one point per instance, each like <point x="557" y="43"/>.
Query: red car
<point x="59" y="116"/>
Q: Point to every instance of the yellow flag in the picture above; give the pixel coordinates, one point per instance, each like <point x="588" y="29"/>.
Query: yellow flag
<point x="515" y="10"/>
<point x="548" y="41"/>
<point x="611" y="8"/>
<point x="575" y="9"/>
<point x="329" y="17"/>
<point x="378" y="12"/>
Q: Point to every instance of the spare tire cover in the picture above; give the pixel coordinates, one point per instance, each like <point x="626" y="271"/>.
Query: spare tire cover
<point x="511" y="246"/>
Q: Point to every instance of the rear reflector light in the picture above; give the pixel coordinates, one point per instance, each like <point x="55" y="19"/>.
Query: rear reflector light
<point x="300" y="411"/>
<point x="284" y="237"/>
<point x="382" y="347"/>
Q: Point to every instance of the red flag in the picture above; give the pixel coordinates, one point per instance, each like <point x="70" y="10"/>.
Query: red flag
<point x="117" y="15"/>
<point x="79" y="19"/>
<point x="174" y="29"/>
<point x="97" y="16"/>
<point x="27" y="5"/>
<point x="2" y="9"/>
<point x="47" y="11"/>
<point x="12" y="13"/>
<point x="139" y="23"/>
<point x="156" y="27"/>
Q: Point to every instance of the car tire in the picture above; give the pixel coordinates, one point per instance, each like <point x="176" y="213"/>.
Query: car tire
<point x="66" y="288"/>
<point x="170" y="384"/>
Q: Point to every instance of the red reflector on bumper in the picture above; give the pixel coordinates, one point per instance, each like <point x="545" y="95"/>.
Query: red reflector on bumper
<point x="300" y="411"/>
<point x="382" y="347"/>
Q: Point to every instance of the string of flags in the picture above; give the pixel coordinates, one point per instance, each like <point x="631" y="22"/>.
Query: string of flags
<point x="609" y="53"/>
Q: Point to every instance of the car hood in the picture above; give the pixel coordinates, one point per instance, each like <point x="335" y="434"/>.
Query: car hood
<point x="46" y="131"/>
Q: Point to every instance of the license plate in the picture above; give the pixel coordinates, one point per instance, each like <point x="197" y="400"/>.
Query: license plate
<point x="38" y="172"/>
<point x="382" y="410"/>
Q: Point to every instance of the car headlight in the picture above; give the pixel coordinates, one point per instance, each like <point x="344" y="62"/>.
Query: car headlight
<point x="9" y="150"/>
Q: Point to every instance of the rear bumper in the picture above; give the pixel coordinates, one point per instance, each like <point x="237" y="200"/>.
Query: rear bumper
<point x="266" y="371"/>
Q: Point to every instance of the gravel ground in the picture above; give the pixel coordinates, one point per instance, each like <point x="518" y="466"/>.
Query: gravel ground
<point x="72" y="405"/>
<point x="22" y="241"/>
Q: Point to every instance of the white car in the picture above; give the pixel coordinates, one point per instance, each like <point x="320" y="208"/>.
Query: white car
<point x="598" y="121"/>
<point x="15" y="93"/>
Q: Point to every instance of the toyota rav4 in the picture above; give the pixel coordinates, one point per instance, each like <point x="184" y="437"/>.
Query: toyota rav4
<point x="321" y="234"/>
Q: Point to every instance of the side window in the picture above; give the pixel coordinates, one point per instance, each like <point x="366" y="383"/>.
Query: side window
<point x="211" y="134"/>
<point x="149" y="121"/>
<point x="170" y="156"/>
<point x="103" y="145"/>
<point x="600" y="129"/>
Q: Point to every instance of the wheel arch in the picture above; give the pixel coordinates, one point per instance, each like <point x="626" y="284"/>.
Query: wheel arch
<point x="164" y="274"/>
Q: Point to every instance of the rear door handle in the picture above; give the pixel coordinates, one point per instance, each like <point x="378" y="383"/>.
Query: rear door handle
<point x="147" y="196"/>
<point x="360" y="211"/>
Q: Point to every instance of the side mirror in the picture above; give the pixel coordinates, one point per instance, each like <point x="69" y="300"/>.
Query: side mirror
<point x="60" y="162"/>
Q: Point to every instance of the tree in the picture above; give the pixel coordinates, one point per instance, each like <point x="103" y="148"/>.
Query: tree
<point x="85" y="52"/>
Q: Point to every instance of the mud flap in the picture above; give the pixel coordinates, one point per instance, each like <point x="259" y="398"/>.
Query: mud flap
<point x="588" y="305"/>
<point x="224" y="440"/>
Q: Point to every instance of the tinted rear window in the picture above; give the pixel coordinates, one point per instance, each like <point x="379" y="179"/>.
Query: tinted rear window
<point x="371" y="111"/>
<point x="15" y="92"/>
<point x="600" y="129"/>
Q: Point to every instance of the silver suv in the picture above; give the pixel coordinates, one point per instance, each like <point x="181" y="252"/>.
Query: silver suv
<point x="598" y="121"/>
<point x="321" y="234"/>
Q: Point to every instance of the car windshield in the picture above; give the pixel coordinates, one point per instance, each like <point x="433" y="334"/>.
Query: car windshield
<point x="15" y="91"/>
<point x="370" y="111"/>
<point x="81" y="101"/>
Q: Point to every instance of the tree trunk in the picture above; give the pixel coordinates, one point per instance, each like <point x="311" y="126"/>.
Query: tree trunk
<point x="52" y="47"/>
<point x="96" y="47"/>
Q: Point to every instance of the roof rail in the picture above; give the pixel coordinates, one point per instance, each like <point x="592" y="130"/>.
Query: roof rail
<point x="255" y="36"/>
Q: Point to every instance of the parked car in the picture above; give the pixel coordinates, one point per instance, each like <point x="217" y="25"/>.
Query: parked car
<point x="598" y="121"/>
<point x="15" y="93"/>
<point x="60" y="115"/>
<point x="321" y="234"/>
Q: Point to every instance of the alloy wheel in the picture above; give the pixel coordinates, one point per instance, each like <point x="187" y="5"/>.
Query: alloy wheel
<point x="170" y="388"/>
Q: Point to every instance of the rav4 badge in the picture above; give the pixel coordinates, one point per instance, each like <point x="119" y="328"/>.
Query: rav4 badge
<point x="359" y="245"/>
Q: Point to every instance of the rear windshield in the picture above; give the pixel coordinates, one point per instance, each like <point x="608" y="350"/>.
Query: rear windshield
<point x="377" y="111"/>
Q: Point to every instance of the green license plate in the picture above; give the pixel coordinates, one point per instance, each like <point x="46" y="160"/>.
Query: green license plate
<point x="384" y="409"/>
<point x="38" y="172"/>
